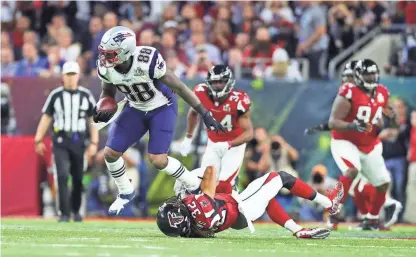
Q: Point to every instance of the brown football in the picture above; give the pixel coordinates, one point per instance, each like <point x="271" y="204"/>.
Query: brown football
<point x="107" y="104"/>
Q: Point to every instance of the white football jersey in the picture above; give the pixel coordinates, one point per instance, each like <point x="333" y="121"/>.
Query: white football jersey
<point x="139" y="85"/>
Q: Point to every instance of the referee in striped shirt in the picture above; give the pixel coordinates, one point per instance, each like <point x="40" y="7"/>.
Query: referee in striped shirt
<point x="70" y="107"/>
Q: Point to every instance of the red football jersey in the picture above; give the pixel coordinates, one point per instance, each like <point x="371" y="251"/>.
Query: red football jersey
<point x="365" y="108"/>
<point x="226" y="113"/>
<point x="216" y="214"/>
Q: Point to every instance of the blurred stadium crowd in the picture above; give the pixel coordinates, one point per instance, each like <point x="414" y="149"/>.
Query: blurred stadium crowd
<point x="258" y="39"/>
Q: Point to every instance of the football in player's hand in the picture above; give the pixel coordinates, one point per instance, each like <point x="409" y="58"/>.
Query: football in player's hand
<point x="107" y="104"/>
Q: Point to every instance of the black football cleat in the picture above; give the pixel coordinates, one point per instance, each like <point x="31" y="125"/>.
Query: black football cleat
<point x="392" y="213"/>
<point x="63" y="218"/>
<point x="372" y="224"/>
<point x="77" y="217"/>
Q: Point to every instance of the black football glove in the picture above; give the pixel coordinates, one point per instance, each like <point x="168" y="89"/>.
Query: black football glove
<point x="311" y="131"/>
<point x="316" y="129"/>
<point x="360" y="126"/>
<point x="211" y="123"/>
<point x="101" y="116"/>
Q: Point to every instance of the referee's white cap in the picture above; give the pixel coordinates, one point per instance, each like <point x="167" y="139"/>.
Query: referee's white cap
<point x="70" y="67"/>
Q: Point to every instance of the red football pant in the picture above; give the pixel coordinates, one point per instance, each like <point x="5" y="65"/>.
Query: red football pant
<point x="362" y="198"/>
<point x="369" y="200"/>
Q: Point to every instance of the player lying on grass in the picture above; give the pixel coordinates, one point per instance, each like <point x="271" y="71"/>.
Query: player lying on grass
<point x="207" y="213"/>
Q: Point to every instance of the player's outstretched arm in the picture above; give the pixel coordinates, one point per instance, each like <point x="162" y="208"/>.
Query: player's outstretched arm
<point x="315" y="129"/>
<point x="209" y="181"/>
<point x="193" y="120"/>
<point x="247" y="126"/>
<point x="170" y="80"/>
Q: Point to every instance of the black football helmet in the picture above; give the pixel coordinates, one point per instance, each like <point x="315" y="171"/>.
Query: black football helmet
<point x="173" y="218"/>
<point x="366" y="74"/>
<point x="220" y="81"/>
<point x="348" y="72"/>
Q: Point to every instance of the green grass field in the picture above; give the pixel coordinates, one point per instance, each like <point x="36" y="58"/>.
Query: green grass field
<point x="25" y="237"/>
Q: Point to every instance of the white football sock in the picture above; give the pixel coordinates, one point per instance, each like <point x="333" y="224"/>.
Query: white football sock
<point x="292" y="226"/>
<point x="118" y="172"/>
<point x="179" y="172"/>
<point x="372" y="217"/>
<point x="322" y="200"/>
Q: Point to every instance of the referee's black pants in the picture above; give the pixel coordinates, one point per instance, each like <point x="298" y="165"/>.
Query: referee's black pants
<point x="69" y="160"/>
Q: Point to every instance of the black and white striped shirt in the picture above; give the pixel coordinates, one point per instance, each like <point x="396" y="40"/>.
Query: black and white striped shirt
<point x="70" y="109"/>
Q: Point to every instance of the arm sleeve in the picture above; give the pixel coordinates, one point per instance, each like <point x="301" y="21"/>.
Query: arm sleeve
<point x="48" y="106"/>
<point x="243" y="104"/>
<point x="91" y="104"/>
<point x="345" y="91"/>
<point x="157" y="66"/>
<point x="101" y="72"/>
<point x="386" y="95"/>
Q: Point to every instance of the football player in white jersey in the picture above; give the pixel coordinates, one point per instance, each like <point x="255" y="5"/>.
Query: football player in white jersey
<point x="140" y="73"/>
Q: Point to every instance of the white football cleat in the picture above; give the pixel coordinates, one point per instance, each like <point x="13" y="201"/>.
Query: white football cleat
<point x="118" y="206"/>
<point x="312" y="233"/>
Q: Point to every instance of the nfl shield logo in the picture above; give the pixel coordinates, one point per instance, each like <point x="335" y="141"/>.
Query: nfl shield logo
<point x="227" y="108"/>
<point x="138" y="72"/>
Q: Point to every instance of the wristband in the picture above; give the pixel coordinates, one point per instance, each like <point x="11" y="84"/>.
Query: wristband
<point x="352" y="126"/>
<point x="324" y="127"/>
<point x="201" y="110"/>
<point x="187" y="135"/>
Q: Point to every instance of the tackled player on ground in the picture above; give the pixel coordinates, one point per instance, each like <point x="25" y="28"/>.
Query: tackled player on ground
<point x="206" y="213"/>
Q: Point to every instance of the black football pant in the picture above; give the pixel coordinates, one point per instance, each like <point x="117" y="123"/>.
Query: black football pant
<point x="69" y="160"/>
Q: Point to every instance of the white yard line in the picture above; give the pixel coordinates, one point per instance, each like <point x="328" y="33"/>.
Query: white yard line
<point x="154" y="247"/>
<point x="362" y="246"/>
<point x="26" y="227"/>
<point x="150" y="247"/>
<point x="96" y="239"/>
<point x="134" y="239"/>
<point x="72" y="254"/>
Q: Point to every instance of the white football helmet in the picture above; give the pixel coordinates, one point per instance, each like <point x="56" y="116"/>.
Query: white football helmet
<point x="116" y="46"/>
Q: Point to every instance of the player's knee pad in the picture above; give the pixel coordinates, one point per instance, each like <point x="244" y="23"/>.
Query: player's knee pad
<point x="110" y="155"/>
<point x="351" y="173"/>
<point x="287" y="179"/>
<point x="383" y="188"/>
<point x="159" y="161"/>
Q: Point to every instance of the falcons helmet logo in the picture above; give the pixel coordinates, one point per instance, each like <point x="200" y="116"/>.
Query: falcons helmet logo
<point x="175" y="219"/>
